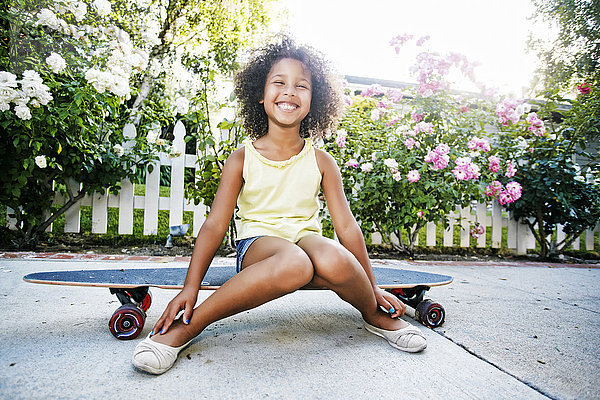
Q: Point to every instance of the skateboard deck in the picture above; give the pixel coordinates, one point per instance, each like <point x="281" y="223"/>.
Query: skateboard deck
<point x="131" y="286"/>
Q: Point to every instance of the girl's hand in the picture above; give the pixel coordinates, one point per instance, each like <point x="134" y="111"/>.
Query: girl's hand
<point x="390" y="302"/>
<point x="185" y="300"/>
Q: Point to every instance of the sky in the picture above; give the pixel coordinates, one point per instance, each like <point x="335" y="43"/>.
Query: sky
<point x="355" y="36"/>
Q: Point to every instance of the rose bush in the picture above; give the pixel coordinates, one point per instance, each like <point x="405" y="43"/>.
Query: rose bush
<point x="62" y="119"/>
<point x="411" y="156"/>
<point x="560" y="179"/>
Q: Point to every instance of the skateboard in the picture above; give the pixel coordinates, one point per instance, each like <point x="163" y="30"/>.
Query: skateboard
<point x="131" y="286"/>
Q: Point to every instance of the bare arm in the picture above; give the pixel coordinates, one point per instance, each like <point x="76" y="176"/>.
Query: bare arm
<point x="209" y="239"/>
<point x="344" y="223"/>
<point x="213" y="230"/>
<point x="347" y="229"/>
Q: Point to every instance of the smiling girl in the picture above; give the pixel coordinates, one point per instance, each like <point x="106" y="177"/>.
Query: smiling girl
<point x="287" y="100"/>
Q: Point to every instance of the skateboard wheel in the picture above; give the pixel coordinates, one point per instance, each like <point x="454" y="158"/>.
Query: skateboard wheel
<point x="127" y="322"/>
<point x="430" y="314"/>
<point x="146" y="302"/>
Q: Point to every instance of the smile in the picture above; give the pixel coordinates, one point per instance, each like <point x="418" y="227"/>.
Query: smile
<point x="287" y="106"/>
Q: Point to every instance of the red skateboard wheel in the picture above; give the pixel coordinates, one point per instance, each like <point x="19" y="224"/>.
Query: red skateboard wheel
<point x="430" y="314"/>
<point x="127" y="322"/>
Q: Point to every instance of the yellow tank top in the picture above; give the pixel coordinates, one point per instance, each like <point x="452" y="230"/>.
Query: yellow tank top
<point x="280" y="198"/>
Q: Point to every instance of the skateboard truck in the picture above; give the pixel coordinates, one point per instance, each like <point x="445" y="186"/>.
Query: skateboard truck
<point x="128" y="320"/>
<point x="176" y="230"/>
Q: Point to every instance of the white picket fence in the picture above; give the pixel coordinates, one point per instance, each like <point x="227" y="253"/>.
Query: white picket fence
<point x="151" y="202"/>
<point x="519" y="237"/>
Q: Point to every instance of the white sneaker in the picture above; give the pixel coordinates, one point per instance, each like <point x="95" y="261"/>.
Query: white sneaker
<point x="408" y="339"/>
<point x="155" y="358"/>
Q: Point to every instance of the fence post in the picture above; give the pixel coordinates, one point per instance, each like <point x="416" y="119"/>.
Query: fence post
<point x="99" y="212"/>
<point x="496" y="225"/>
<point x="431" y="234"/>
<point x="483" y="221"/>
<point x="465" y="225"/>
<point x="126" y="192"/>
<point x="512" y="234"/>
<point x="177" y="176"/>
<point x="522" y="234"/>
<point x="589" y="239"/>
<point x="73" y="214"/>
<point x="151" y="198"/>
<point x="449" y="232"/>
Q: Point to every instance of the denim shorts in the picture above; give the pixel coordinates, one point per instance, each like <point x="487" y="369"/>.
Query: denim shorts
<point x="241" y="248"/>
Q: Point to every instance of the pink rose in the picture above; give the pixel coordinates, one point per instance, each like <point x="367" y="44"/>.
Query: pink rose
<point x="494" y="163"/>
<point x="511" y="170"/>
<point x="584" y="88"/>
<point x="413" y="176"/>
<point x="352" y="163"/>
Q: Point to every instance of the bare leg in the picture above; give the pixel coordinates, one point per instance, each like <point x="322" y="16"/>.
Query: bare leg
<point x="337" y="269"/>
<point x="272" y="268"/>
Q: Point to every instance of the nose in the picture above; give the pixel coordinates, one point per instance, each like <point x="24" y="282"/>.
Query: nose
<point x="290" y="90"/>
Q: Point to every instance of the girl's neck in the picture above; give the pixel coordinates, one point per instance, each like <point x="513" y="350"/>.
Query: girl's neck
<point x="284" y="137"/>
<point x="278" y="145"/>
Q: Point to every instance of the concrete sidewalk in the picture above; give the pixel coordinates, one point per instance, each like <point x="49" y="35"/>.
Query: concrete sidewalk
<point x="512" y="331"/>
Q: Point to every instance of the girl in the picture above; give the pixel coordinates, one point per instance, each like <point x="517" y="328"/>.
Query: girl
<point x="287" y="99"/>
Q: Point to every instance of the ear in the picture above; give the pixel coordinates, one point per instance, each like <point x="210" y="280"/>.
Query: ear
<point x="262" y="101"/>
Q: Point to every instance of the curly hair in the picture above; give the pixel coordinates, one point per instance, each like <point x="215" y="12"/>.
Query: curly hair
<point x="326" y="101"/>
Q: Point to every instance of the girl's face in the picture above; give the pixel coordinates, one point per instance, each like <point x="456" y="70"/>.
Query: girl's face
<point x="287" y="94"/>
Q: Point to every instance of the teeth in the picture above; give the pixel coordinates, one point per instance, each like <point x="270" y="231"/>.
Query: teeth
<point x="286" y="106"/>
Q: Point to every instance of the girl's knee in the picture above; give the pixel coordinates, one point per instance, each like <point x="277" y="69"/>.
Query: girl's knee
<point x="293" y="270"/>
<point x="336" y="265"/>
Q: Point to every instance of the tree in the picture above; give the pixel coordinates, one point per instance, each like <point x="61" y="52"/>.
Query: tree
<point x="201" y="38"/>
<point x="561" y="179"/>
<point x="574" y="56"/>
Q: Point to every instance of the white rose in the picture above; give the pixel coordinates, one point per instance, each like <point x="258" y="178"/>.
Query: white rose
<point x="375" y="114"/>
<point x="40" y="161"/>
<point x="118" y="149"/>
<point x="48" y="18"/>
<point x="152" y="135"/>
<point x="102" y="7"/>
<point x="520" y="110"/>
<point x="402" y="129"/>
<point x="120" y="86"/>
<point x="56" y="62"/>
<point x="366" y="167"/>
<point x="182" y="105"/>
<point x="79" y="10"/>
<point x="7" y="79"/>
<point x="43" y="95"/>
<point x="391" y="163"/>
<point x="99" y="79"/>
<point x="23" y="112"/>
